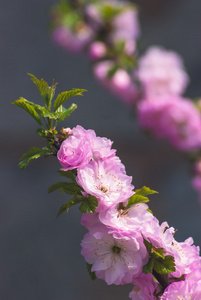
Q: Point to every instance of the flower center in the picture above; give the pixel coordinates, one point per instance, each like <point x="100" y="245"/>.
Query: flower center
<point x="103" y="189"/>
<point x="116" y="249"/>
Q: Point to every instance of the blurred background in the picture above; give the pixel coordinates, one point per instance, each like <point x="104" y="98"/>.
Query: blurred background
<point x="39" y="253"/>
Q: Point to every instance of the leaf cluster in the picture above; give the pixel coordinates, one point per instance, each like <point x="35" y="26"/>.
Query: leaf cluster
<point x="88" y="203"/>
<point x="47" y="116"/>
<point x="159" y="264"/>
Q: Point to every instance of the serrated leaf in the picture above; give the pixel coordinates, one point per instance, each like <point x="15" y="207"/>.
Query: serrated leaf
<point x="65" y="207"/>
<point x="46" y="91"/>
<point x="62" y="97"/>
<point x="144" y="191"/>
<point x="65" y="187"/>
<point x="32" y="154"/>
<point x="89" y="204"/>
<point x="66" y="112"/>
<point x="164" y="266"/>
<point x="23" y="103"/>
<point x="134" y="199"/>
<point x="68" y="174"/>
<point x="91" y="274"/>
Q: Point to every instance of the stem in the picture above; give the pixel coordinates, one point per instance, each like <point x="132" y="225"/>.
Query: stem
<point x="160" y="279"/>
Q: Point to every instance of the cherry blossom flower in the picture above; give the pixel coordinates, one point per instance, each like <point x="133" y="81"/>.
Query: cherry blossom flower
<point x="105" y="181"/>
<point x="185" y="290"/>
<point x="73" y="41"/>
<point x="120" y="83"/>
<point x="76" y="150"/>
<point x="173" y="118"/>
<point x="145" y="287"/>
<point x="114" y="258"/>
<point x="161" y="73"/>
<point x="133" y="219"/>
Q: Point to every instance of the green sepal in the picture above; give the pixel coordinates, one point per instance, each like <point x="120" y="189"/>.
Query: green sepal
<point x="62" y="97"/>
<point x="68" y="174"/>
<point x="144" y="191"/>
<point x="89" y="204"/>
<point x="65" y="187"/>
<point x="91" y="274"/>
<point x="47" y="92"/>
<point x="32" y="154"/>
<point x="28" y="107"/>
<point x="134" y="199"/>
<point x="65" y="207"/>
<point x="65" y="112"/>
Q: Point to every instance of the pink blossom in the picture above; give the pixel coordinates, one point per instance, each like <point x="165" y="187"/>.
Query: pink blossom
<point x="145" y="287"/>
<point x="82" y="146"/>
<point x="75" y="151"/>
<point x="120" y="83"/>
<point x="133" y="219"/>
<point x="73" y="41"/>
<point x="97" y="50"/>
<point x="105" y="181"/>
<point x="175" y="119"/>
<point x="185" y="290"/>
<point x="115" y="258"/>
<point x="101" y="146"/>
<point x="126" y="28"/>
<point x="161" y="73"/>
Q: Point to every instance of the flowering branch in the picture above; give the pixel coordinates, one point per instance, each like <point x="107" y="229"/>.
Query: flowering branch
<point x="152" y="84"/>
<point x="125" y="242"/>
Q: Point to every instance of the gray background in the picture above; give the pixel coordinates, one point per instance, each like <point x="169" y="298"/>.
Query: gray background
<point x="40" y="254"/>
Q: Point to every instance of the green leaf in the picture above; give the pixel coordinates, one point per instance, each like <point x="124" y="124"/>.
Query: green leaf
<point x="38" y="109"/>
<point x="89" y="204"/>
<point x="144" y="191"/>
<point x="158" y="252"/>
<point x="62" y="97"/>
<point x="148" y="268"/>
<point x="32" y="154"/>
<point x="112" y="71"/>
<point x="164" y="266"/>
<point x="68" y="174"/>
<point x="91" y="274"/>
<point x="47" y="92"/>
<point x="65" y="187"/>
<point x="148" y="245"/>
<point x="28" y="107"/>
<point x="66" y="112"/>
<point x="65" y="207"/>
<point x="134" y="199"/>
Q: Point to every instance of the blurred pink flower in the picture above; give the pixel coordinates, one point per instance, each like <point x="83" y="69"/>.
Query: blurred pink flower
<point x="73" y="41"/>
<point x="172" y="118"/>
<point x="161" y="73"/>
<point x="120" y="83"/>
<point x="97" y="50"/>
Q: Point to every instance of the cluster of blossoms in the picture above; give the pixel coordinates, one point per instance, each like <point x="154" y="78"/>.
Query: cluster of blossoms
<point x="152" y="84"/>
<point x="125" y="243"/>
